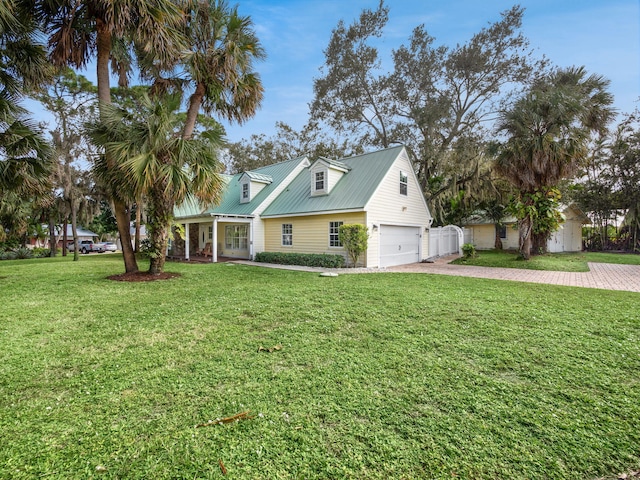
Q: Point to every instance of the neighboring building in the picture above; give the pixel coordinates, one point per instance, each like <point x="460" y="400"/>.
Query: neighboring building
<point x="299" y="205"/>
<point x="59" y="230"/>
<point x="567" y="239"/>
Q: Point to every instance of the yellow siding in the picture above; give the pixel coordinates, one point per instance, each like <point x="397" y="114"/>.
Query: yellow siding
<point x="484" y="237"/>
<point x="310" y="233"/>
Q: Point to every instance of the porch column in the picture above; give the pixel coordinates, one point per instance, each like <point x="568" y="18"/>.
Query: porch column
<point x="251" y="248"/>
<point x="214" y="241"/>
<point x="186" y="241"/>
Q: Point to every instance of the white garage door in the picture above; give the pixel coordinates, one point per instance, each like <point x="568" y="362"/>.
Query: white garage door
<point x="399" y="245"/>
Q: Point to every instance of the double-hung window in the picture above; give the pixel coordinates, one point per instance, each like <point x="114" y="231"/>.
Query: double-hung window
<point x="287" y="234"/>
<point x="319" y="184"/>
<point x="334" y="234"/>
<point x="404" y="179"/>
<point x="245" y="191"/>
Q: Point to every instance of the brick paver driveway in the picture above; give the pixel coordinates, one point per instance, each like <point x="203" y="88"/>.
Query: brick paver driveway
<point x="605" y="276"/>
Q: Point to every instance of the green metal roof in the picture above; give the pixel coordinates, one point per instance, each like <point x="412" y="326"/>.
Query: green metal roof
<point x="352" y="191"/>
<point x="258" y="177"/>
<point x="335" y="163"/>
<point x="230" y="203"/>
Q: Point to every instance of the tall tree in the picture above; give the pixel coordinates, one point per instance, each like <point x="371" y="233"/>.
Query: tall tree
<point x="623" y="173"/>
<point x="436" y="101"/>
<point x="153" y="158"/>
<point x="25" y="156"/>
<point x="78" y="28"/>
<point x="548" y="132"/>
<point x="71" y="99"/>
<point x="219" y="62"/>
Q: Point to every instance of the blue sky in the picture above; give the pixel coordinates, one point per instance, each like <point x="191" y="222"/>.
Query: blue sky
<point x="602" y="35"/>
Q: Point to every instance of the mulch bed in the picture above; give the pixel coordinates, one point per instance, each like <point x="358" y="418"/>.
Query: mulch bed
<point x="142" y="276"/>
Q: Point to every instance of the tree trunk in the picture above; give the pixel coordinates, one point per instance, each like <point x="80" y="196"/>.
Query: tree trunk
<point x="498" y="241"/>
<point x="65" y="238"/>
<point x="524" y="229"/>
<point x="53" y="247"/>
<point x="539" y="243"/>
<point x="121" y="211"/>
<point x="162" y="206"/>
<point x="195" y="101"/>
<point x="136" y="246"/>
<point x="74" y="229"/>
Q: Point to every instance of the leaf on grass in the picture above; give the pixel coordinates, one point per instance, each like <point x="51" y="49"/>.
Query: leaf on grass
<point x="222" y="467"/>
<point x="233" y="418"/>
<point x="270" y="350"/>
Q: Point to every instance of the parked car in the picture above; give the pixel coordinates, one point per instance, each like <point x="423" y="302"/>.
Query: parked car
<point x="87" y="246"/>
<point x="109" y="247"/>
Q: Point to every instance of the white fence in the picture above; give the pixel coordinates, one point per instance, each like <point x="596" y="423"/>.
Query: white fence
<point x="445" y="241"/>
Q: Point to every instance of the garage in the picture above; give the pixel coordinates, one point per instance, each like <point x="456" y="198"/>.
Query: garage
<point x="399" y="245"/>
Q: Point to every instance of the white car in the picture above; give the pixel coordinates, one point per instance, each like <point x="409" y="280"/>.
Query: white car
<point x="109" y="247"/>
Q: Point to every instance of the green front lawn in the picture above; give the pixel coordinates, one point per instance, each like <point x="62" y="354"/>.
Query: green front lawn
<point x="378" y="375"/>
<point x="562" y="262"/>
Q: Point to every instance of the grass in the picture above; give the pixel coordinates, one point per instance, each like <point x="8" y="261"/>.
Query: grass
<point x="379" y="375"/>
<point x="562" y="262"/>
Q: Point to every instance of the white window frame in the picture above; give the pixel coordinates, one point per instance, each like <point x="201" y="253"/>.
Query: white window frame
<point x="236" y="236"/>
<point x="334" y="234"/>
<point x="210" y="232"/>
<point x="287" y="234"/>
<point x="404" y="183"/>
<point x="320" y="178"/>
<point x="245" y="196"/>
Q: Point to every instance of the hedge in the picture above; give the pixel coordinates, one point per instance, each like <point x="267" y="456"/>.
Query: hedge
<point x="305" y="259"/>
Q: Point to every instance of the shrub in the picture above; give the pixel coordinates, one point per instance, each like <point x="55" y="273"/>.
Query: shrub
<point x="40" y="252"/>
<point x="22" y="253"/>
<point x="469" y="250"/>
<point x="355" y="239"/>
<point x="304" y="259"/>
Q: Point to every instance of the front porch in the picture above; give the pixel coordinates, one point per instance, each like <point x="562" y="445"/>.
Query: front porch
<point x="220" y="239"/>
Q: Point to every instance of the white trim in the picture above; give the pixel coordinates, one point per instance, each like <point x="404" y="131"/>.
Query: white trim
<point x="214" y="241"/>
<point x="316" y="212"/>
<point x="186" y="241"/>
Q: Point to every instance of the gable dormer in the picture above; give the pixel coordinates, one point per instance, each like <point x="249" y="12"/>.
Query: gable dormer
<point x="251" y="183"/>
<point x="325" y="174"/>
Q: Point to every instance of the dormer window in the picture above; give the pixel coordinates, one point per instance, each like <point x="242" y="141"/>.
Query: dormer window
<point x="404" y="180"/>
<point x="251" y="184"/>
<point x="320" y="179"/>
<point x="325" y="174"/>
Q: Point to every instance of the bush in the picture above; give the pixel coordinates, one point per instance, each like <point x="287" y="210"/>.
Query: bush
<point x="355" y="239"/>
<point x="40" y="252"/>
<point x="304" y="259"/>
<point x="469" y="250"/>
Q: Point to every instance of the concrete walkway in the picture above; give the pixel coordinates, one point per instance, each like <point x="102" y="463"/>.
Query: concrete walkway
<point x="605" y="276"/>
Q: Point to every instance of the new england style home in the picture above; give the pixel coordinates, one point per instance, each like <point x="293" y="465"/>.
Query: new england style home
<point x="298" y="206"/>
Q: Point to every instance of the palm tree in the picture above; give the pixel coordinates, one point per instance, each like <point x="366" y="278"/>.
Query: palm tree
<point x="25" y="157"/>
<point x="77" y="28"/>
<point x="549" y="131"/>
<point x="154" y="161"/>
<point x="219" y="63"/>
